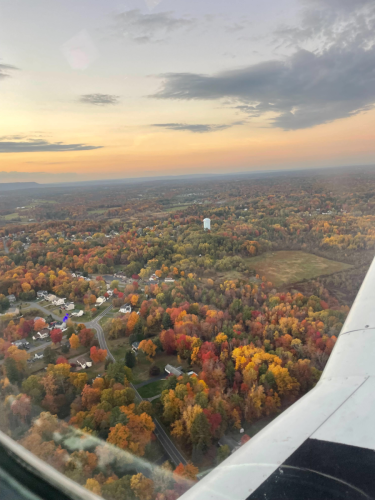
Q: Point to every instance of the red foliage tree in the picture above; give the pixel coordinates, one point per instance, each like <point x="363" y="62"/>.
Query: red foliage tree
<point x="98" y="355"/>
<point x="56" y="335"/>
<point x="85" y="336"/>
<point x="168" y="341"/>
<point x="61" y="360"/>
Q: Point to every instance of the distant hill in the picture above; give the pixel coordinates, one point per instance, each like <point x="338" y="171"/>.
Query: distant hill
<point x="11" y="186"/>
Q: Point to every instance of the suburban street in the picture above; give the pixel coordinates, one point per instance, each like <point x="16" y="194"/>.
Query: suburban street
<point x="168" y="445"/>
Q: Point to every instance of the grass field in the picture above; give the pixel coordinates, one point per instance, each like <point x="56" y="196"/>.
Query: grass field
<point x="152" y="389"/>
<point x="293" y="266"/>
<point x="140" y="371"/>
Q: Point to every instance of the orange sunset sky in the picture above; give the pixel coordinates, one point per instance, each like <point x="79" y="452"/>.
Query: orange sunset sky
<point x="94" y="90"/>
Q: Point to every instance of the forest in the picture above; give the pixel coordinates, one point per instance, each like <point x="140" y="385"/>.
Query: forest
<point x="245" y="315"/>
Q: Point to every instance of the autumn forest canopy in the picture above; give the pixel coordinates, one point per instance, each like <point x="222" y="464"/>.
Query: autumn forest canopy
<point x="246" y="314"/>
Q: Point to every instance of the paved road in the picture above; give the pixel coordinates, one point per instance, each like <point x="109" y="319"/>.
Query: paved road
<point x="160" y="433"/>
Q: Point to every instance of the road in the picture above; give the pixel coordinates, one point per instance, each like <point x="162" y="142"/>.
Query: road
<point x="160" y="433"/>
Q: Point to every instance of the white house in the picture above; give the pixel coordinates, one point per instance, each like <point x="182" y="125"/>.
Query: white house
<point x="59" y="302"/>
<point x="207" y="224"/>
<point x="51" y="297"/>
<point x="100" y="301"/>
<point x="78" y="314"/>
<point x="169" y="280"/>
<point x="126" y="308"/>
<point x="171" y="370"/>
<point x="69" y="306"/>
<point x="41" y="294"/>
<point x="11" y="298"/>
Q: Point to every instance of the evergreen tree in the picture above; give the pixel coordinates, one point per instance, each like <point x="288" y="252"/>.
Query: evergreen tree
<point x="200" y="432"/>
<point x="130" y="359"/>
<point x="13" y="374"/>
<point x="167" y="322"/>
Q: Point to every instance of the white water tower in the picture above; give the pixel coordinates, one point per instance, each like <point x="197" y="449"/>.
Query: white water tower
<point x="207" y="224"/>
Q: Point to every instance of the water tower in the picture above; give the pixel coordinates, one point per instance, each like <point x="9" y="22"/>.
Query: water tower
<point x="207" y="224"/>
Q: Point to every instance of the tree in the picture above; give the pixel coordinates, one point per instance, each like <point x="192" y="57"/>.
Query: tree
<point x="65" y="348"/>
<point x="61" y="360"/>
<point x="86" y="336"/>
<point x="50" y="356"/>
<point x="168" y="340"/>
<point x="167" y="322"/>
<point x="39" y="324"/>
<point x="188" y="471"/>
<point x="19" y="356"/>
<point x="12" y="372"/>
<point x="56" y="335"/>
<point x="115" y="284"/>
<point x="94" y="486"/>
<point x="222" y="453"/>
<point x="130" y="359"/>
<point x="200" y="431"/>
<point x="21" y="406"/>
<point x="98" y="355"/>
<point x="142" y="486"/>
<point x="148" y="347"/>
<point x="74" y="341"/>
<point x="118" y="372"/>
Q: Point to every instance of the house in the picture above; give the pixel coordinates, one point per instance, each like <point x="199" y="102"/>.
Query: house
<point x="153" y="277"/>
<point x="110" y="293"/>
<point x="11" y="298"/>
<point x="41" y="294"/>
<point x="60" y="326"/>
<point x="126" y="308"/>
<point x="38" y="356"/>
<point x="78" y="314"/>
<point x="100" y="301"/>
<point x="21" y="344"/>
<point x="171" y="370"/>
<point x="51" y="297"/>
<point x="59" y="302"/>
<point x="69" y="306"/>
<point x="135" y="346"/>
<point x="169" y="280"/>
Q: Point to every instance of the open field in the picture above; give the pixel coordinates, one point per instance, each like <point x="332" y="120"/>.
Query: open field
<point x="152" y="389"/>
<point x="140" y="371"/>
<point x="293" y="266"/>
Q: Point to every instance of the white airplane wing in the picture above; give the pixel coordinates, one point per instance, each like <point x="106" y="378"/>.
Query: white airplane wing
<point x="323" y="446"/>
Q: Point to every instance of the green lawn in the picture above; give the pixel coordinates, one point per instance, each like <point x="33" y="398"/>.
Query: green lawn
<point x="152" y="389"/>
<point x="118" y="348"/>
<point x="141" y="370"/>
<point x="293" y="266"/>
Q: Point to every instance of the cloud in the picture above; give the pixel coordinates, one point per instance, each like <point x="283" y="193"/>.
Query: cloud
<point x="147" y="28"/>
<point x="198" y="128"/>
<point x="99" y="99"/>
<point x="304" y="90"/>
<point x="4" y="69"/>
<point x="326" y="22"/>
<point x="36" y="145"/>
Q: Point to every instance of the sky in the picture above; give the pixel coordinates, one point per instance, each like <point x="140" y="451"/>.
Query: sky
<point x="132" y="88"/>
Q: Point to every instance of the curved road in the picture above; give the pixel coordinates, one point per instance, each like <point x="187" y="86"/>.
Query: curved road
<point x="168" y="445"/>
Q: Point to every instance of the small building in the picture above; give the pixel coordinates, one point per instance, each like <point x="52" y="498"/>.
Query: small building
<point x="78" y="313"/>
<point x="135" y="346"/>
<point x="171" y="370"/>
<point x="207" y="224"/>
<point x="41" y="294"/>
<point x="100" y="301"/>
<point x="51" y="297"/>
<point x="11" y="298"/>
<point x="59" y="302"/>
<point x="69" y="306"/>
<point x="169" y="280"/>
<point x="126" y="308"/>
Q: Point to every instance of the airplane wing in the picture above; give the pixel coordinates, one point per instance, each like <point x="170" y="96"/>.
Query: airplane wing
<point x="323" y="446"/>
